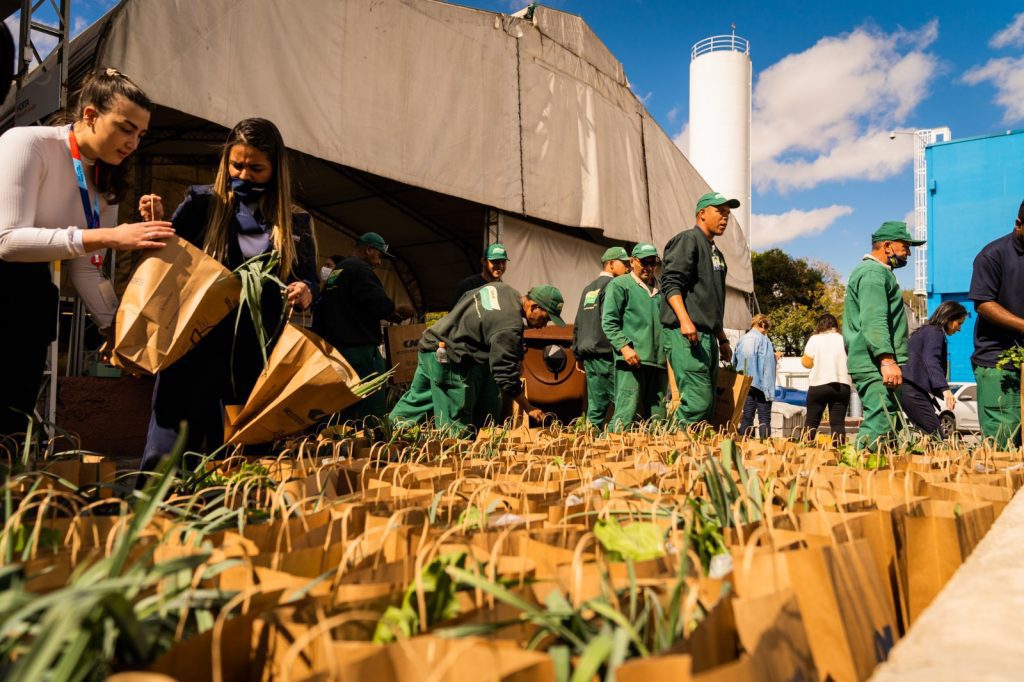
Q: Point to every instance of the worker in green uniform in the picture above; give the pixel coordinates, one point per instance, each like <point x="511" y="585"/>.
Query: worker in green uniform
<point x="349" y="312"/>
<point x="590" y="345"/>
<point x="493" y="266"/>
<point x="489" y="405"/>
<point x="693" y="308"/>
<point x="485" y="328"/>
<point x="632" y="321"/>
<point x="875" y="332"/>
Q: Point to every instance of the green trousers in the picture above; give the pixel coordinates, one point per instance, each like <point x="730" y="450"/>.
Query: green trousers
<point x="883" y="415"/>
<point x="999" y="405"/>
<point x="600" y="373"/>
<point x="442" y="393"/>
<point x="366" y="360"/>
<point x="695" y="368"/>
<point x="639" y="394"/>
<point x="488" y="404"/>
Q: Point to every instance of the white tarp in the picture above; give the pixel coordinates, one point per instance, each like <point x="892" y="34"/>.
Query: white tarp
<point x="542" y="256"/>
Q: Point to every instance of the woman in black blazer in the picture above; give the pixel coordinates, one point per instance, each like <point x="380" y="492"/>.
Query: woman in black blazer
<point x="247" y="211"/>
<point x="924" y="374"/>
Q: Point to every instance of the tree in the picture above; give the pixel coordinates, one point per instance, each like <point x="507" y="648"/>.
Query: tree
<point x="793" y="293"/>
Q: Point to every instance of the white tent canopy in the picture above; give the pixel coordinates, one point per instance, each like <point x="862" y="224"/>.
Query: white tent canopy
<point x="426" y="98"/>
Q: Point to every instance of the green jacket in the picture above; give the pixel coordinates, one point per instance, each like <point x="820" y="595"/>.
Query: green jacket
<point x="874" y="321"/>
<point x="588" y="338"/>
<point x="631" y="318"/>
<point x="695" y="269"/>
<point x="485" y="328"/>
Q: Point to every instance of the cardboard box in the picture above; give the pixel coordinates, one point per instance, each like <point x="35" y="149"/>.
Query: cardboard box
<point x="403" y="350"/>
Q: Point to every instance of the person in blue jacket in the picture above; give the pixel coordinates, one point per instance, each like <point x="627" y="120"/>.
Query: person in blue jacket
<point x="924" y="374"/>
<point x="756" y="357"/>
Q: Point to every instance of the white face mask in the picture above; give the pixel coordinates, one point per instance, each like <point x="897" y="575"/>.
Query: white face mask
<point x="325" y="272"/>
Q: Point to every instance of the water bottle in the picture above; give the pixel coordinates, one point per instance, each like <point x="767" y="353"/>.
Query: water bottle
<point x="442" y="353"/>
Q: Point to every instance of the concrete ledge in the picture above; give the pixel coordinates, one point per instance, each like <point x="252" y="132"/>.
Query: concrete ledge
<point x="973" y="630"/>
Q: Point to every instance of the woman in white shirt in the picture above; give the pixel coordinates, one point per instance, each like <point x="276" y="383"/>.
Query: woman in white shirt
<point x="59" y="189"/>
<point x="829" y="384"/>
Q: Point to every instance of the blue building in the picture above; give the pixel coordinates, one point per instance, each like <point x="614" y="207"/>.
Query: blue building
<point x="975" y="187"/>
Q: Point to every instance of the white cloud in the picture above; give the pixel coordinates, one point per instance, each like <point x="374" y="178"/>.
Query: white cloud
<point x="79" y="25"/>
<point x="1007" y="75"/>
<point x="767" y="230"/>
<point x="673" y="114"/>
<point x="822" y="114"/>
<point x="1011" y="36"/>
<point x="867" y="156"/>
<point x="682" y="140"/>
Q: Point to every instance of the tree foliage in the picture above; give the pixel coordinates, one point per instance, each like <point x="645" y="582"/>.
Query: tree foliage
<point x="793" y="293"/>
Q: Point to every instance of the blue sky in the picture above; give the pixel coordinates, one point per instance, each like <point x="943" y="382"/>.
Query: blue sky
<point x="830" y="81"/>
<point x="847" y="73"/>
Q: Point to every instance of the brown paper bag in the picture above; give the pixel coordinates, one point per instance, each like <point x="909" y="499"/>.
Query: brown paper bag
<point x="936" y="543"/>
<point x="847" y="620"/>
<point x="771" y="630"/>
<point x="672" y="667"/>
<point x="176" y="295"/>
<point x="730" y="393"/>
<point x="450" y="660"/>
<point x="305" y="380"/>
<point x="87" y="470"/>
<point x="403" y="350"/>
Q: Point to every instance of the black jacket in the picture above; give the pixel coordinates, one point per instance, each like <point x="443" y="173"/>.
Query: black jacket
<point x="224" y="366"/>
<point x="485" y="328"/>
<point x="466" y="285"/>
<point x="695" y="269"/>
<point x="928" y="360"/>
<point x="588" y="338"/>
<point x="352" y="305"/>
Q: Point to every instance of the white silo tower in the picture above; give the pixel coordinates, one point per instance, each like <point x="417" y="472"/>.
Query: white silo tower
<point x="720" y="81"/>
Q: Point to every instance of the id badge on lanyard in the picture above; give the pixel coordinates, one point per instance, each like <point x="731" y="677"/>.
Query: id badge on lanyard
<point x="92" y="208"/>
<point x="716" y="260"/>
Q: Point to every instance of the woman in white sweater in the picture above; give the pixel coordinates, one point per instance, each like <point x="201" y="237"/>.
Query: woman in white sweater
<point x="829" y="383"/>
<point x="59" y="189"/>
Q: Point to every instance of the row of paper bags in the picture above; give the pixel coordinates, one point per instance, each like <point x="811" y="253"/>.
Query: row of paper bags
<point x="177" y="295"/>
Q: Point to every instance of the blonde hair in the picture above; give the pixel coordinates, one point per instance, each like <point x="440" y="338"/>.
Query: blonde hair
<point x="760" y="320"/>
<point x="276" y="203"/>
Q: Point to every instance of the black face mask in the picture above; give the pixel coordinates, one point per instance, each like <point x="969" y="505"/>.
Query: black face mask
<point x="896" y="262"/>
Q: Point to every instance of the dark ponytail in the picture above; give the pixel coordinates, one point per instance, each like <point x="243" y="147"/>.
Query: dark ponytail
<point x="101" y="88"/>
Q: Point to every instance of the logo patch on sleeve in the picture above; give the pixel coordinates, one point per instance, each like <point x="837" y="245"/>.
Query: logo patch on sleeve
<point x="590" y="299"/>
<point x="488" y="297"/>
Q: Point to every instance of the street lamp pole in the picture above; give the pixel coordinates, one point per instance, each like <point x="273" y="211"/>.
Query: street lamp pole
<point x="922" y="138"/>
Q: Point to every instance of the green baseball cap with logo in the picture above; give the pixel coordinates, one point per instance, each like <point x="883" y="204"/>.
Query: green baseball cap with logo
<point x="374" y="240"/>
<point x="615" y="253"/>
<point x="644" y="250"/>
<point x="895" y="231"/>
<point x="550" y="299"/>
<point x="716" y="199"/>
<point x="496" y="252"/>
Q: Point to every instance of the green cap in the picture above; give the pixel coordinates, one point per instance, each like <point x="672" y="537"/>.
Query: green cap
<point x="496" y="252"/>
<point x="374" y="240"/>
<point x="716" y="199"/>
<point x="615" y="253"/>
<point x="644" y="250"/>
<point x="895" y="231"/>
<point x="550" y="299"/>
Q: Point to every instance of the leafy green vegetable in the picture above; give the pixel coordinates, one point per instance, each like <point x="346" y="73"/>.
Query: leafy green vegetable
<point x="636" y="541"/>
<point x="402" y="622"/>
